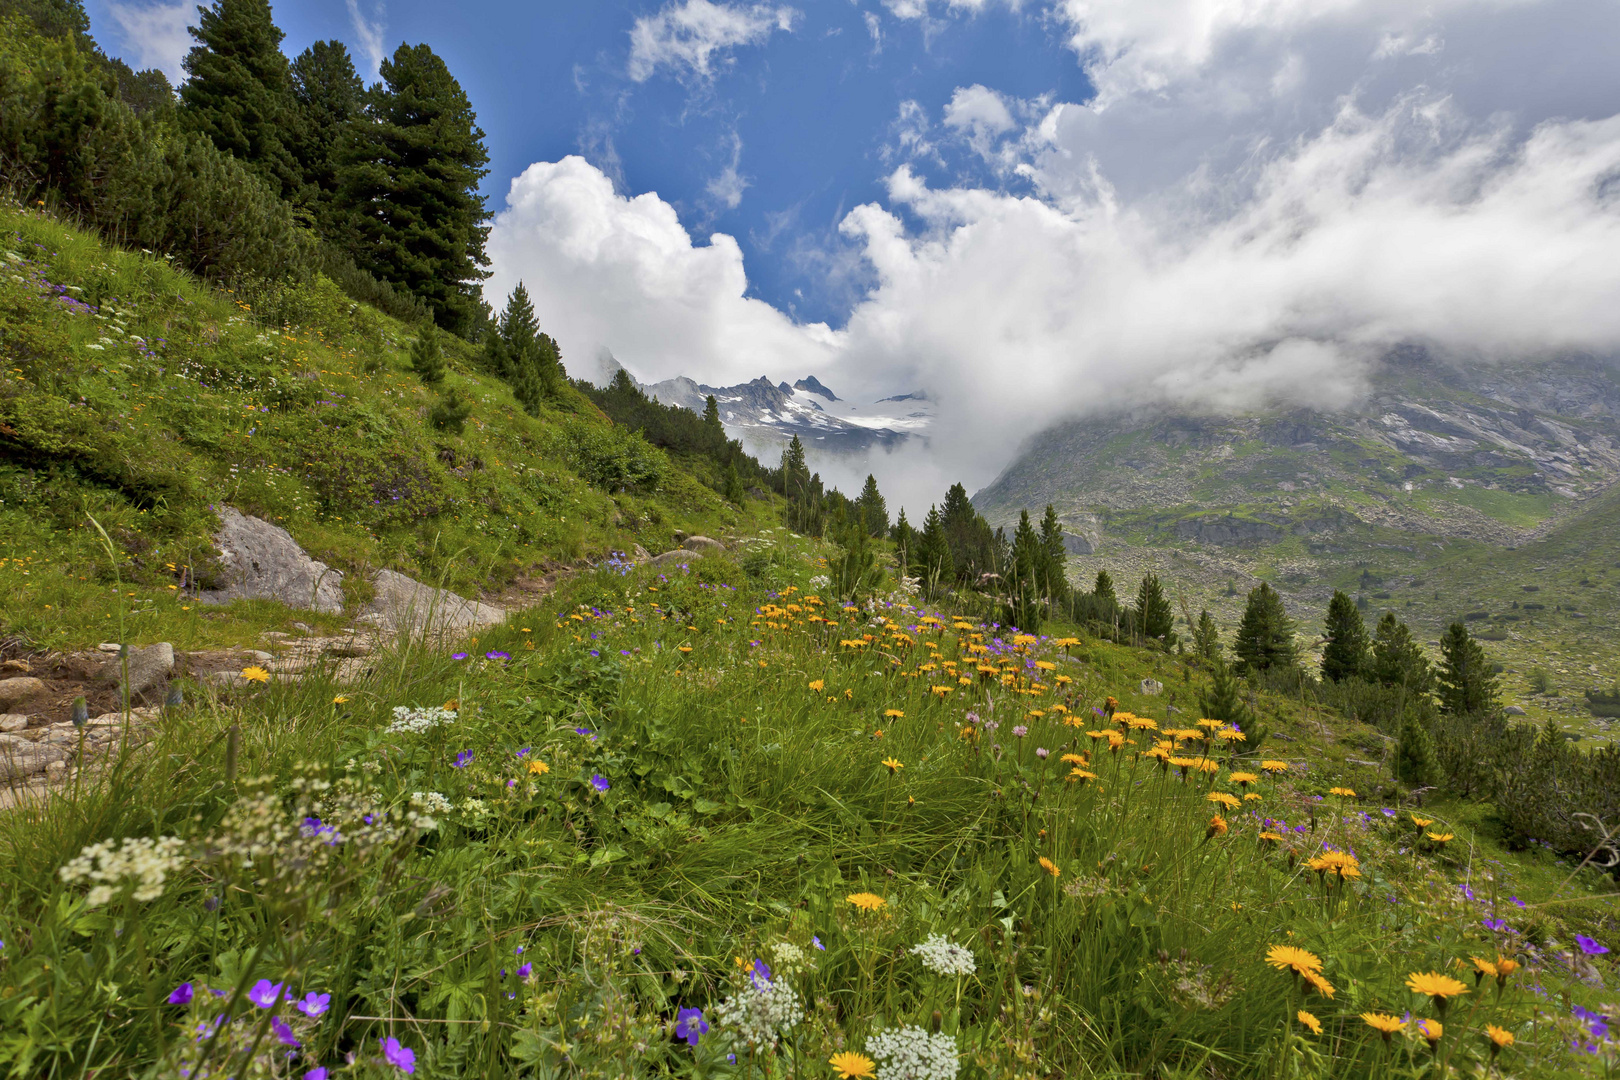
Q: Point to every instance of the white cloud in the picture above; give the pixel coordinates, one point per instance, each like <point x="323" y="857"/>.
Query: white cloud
<point x="728" y="187"/>
<point x="370" y="34"/>
<point x="686" y="37"/>
<point x="154" y="35"/>
<point x="621" y="273"/>
<point x="919" y="9"/>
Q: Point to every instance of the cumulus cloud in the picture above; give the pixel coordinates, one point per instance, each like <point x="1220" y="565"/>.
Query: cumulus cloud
<point x="370" y="34"/>
<point x="690" y="38"/>
<point x="154" y="35"/>
<point x="618" y="273"/>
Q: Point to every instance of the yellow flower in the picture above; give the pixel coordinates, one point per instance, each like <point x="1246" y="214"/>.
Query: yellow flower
<point x="818" y="684"/>
<point x="940" y="691"/>
<point x="1081" y="775"/>
<point x="1343" y="792"/>
<point x="1504" y="968"/>
<point x="1271" y="837"/>
<point x="1211" y="725"/>
<point x="1437" y="986"/>
<point x="893" y="764"/>
<point x="1217" y="827"/>
<point x="1383" y="1023"/>
<point x="255" y="674"/>
<point x="1252" y="796"/>
<point x="852" y="1066"/>
<point x="1231" y="802"/>
<point x="1274" y="766"/>
<point x="340" y="699"/>
<point x="1482" y="968"/>
<point x="1231" y="735"/>
<point x="1283" y="957"/>
<point x="1422" y="822"/>
<point x="1143" y="723"/>
<point x="1319" y="984"/>
<point x="1310" y="1021"/>
<point x="539" y="768"/>
<point x="683" y="648"/>
<point x="1049" y="866"/>
<point x="1440" y="837"/>
<point x="1499" y="1037"/>
<point x="867" y="901"/>
<point x="893" y="714"/>
<point x="1075" y="759"/>
<point x="1431" y="1030"/>
<point x="1244" y="779"/>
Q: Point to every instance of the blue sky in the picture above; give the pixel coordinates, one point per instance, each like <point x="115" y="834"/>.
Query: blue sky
<point x="806" y="118"/>
<point x="1034" y="210"/>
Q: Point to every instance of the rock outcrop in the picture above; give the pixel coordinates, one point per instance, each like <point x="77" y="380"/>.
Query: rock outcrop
<point x="403" y="604"/>
<point x="262" y="561"/>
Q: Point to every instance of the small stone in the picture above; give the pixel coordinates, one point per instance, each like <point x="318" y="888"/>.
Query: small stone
<point x="702" y="543"/>
<point x="109" y="647"/>
<point x="304" y="627"/>
<point x="148" y="668"/>
<point x="20" y="666"/>
<point x="1514" y="710"/>
<point x="13" y="721"/>
<point x="276" y="635"/>
<point x="17" y="761"/>
<point x="18" y="689"/>
<point x="261" y="656"/>
<point x="1151" y="686"/>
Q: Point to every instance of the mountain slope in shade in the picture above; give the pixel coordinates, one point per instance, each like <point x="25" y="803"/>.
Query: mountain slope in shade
<point x="763" y="411"/>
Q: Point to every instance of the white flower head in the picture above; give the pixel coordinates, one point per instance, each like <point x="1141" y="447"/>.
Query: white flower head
<point x="943" y="956"/>
<point x="761" y="1011"/>
<point x="910" y="1053"/>
<point x="139" y="861"/>
<point x="414" y="721"/>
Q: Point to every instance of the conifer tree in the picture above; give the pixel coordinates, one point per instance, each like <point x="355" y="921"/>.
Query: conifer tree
<point x="853" y="569"/>
<point x="905" y="542"/>
<point x="733" y="485"/>
<point x="933" y="558"/>
<point x="409" y="187"/>
<point x="237" y="95"/>
<point x="801" y="489"/>
<point x="1024" y="586"/>
<point x="711" y="421"/>
<point x="427" y="360"/>
<point x="1154" y="618"/>
<point x="1265" y="637"/>
<point x="1054" y="574"/>
<point x="1223" y="701"/>
<point x="1345" y="654"/>
<point x="329" y="96"/>
<point x="1397" y="660"/>
<point x="1103" y="588"/>
<point x="1206" y="637"/>
<point x="873" y="511"/>
<point x="1467" y="685"/>
<point x="1414" y="760"/>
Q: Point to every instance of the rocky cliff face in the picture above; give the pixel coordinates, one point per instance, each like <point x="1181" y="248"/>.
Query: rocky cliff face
<point x="763" y="411"/>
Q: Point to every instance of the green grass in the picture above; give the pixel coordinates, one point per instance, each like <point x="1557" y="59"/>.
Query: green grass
<point x="746" y="799"/>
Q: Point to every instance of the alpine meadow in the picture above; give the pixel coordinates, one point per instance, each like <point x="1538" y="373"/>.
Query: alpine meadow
<point x="431" y="647"/>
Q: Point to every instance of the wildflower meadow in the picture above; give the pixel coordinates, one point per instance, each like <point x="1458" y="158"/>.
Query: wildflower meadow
<point x="699" y="822"/>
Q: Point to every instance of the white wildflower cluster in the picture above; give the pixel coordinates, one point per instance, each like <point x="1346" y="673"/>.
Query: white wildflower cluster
<point x="415" y="720"/>
<point x="910" y="1053"/>
<point x="820" y="581"/>
<point x="790" y="959"/>
<point x="135" y="860"/>
<point x="943" y="956"/>
<point x="761" y="1011"/>
<point x="431" y="802"/>
<point x="476" y="809"/>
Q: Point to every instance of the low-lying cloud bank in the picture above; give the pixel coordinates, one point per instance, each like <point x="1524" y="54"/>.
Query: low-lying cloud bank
<point x="1284" y="223"/>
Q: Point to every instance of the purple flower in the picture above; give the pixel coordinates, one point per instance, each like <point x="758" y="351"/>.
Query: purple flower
<point x="1589" y="946"/>
<point x="523" y="972"/>
<point x="1468" y="893"/>
<point x="599" y="782"/>
<point x="524" y="751"/>
<point x="816" y="941"/>
<point x="401" y="1057"/>
<point x="284" y="1033"/>
<point x="1041" y="752"/>
<point x="587" y="732"/>
<point x="493" y="654"/>
<point x="181" y="995"/>
<point x="1020" y="731"/>
<point x="453" y="656"/>
<point x="1516" y="902"/>
<point x="1388" y="812"/>
<point x="314" y="1004"/>
<point x="761" y="973"/>
<point x="464" y="759"/>
<point x="1497" y="925"/>
<point x="317" y="1073"/>
<point x="265" y="994"/>
<point x="689" y="1024"/>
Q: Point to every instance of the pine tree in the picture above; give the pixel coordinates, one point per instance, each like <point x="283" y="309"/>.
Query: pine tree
<point x="1265" y="637"/>
<point x="905" y="542"/>
<point x="1154" y="619"/>
<point x="1206" y="637"/>
<point x="549" y="365"/>
<point x="238" y="94"/>
<point x="450" y="412"/>
<point x="1054" y="573"/>
<point x="853" y="568"/>
<point x="974" y="547"/>
<point x="1397" y="660"/>
<point x="873" y="511"/>
<point x="801" y="491"/>
<point x="1467" y="685"/>
<point x="1414" y="761"/>
<point x="733" y="485"/>
<point x="1223" y="701"/>
<point x="1024" y="587"/>
<point x="1345" y="655"/>
<point x="711" y="421"/>
<point x="1103" y="589"/>
<point x="427" y="360"/>
<point x="409" y="187"/>
<point x="933" y="558"/>
<point x="329" y="96"/>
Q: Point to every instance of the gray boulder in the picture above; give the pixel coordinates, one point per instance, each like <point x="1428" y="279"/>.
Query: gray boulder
<point x="19" y="758"/>
<point x="12" y="721"/>
<point x="404" y="604"/>
<point x="680" y="556"/>
<point x="149" y="668"/>
<point x="1514" y="710"/>
<point x="19" y="689"/>
<point x="702" y="544"/>
<point x="262" y="561"/>
<point x="1151" y="686"/>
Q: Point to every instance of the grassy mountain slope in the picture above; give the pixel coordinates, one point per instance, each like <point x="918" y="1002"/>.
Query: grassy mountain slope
<point x="136" y="394"/>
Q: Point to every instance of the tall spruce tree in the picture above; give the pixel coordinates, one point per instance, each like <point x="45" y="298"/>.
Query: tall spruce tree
<point x="1025" y="589"/>
<point x="427" y="359"/>
<point x="1265" y="637"/>
<point x="1103" y="589"/>
<point x="1414" y="760"/>
<point x="905" y="542"/>
<point x="1154" y="619"/>
<point x="329" y="95"/>
<point x="1345" y="654"/>
<point x="933" y="558"/>
<point x="237" y="94"/>
<point x="711" y="421"/>
<point x="854" y="569"/>
<point x="1054" y="572"/>
<point x="1223" y="701"/>
<point x="409" y="187"/>
<point x="974" y="548"/>
<point x="1206" y="637"/>
<point x="732" y="485"/>
<point x="874" y="512"/>
<point x="1467" y="684"/>
<point x="1397" y="660"/>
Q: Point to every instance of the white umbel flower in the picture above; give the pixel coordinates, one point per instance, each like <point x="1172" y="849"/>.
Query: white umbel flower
<point x="910" y="1053"/>
<point x="136" y="860"/>
<point x="415" y="721"/>
<point x="761" y="1011"/>
<point x="943" y="956"/>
